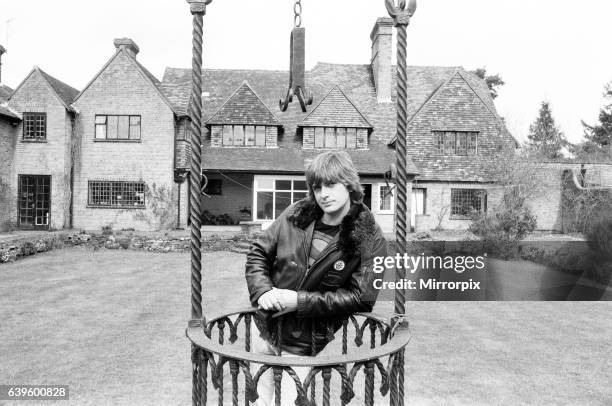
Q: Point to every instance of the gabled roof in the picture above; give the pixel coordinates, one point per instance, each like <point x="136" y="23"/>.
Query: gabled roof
<point x="335" y="110"/>
<point x="150" y="78"/>
<point x="65" y="93"/>
<point x="219" y="84"/>
<point x="244" y="107"/>
<point x="420" y="96"/>
<point x="357" y="84"/>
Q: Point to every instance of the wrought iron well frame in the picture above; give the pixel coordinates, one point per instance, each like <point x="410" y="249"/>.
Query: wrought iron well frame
<point x="393" y="333"/>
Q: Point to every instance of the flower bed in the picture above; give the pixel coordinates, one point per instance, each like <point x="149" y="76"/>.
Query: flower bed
<point x="154" y="242"/>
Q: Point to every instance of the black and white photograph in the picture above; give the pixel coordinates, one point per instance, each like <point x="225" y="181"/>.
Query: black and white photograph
<point x="305" y="202"/>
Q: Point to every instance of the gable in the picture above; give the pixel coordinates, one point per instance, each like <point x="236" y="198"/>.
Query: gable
<point x="244" y="107"/>
<point x="456" y="103"/>
<point x="122" y="78"/>
<point x="36" y="92"/>
<point x="336" y="110"/>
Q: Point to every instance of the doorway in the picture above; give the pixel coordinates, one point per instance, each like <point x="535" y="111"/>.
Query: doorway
<point x="34" y="201"/>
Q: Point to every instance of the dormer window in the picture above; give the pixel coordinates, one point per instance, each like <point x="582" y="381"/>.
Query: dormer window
<point x="335" y="138"/>
<point x="336" y="123"/>
<point x="244" y="121"/>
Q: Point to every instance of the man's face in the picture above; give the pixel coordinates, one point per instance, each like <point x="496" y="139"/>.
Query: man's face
<point x="332" y="197"/>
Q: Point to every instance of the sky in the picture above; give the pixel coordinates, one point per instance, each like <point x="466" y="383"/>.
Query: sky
<point x="552" y="50"/>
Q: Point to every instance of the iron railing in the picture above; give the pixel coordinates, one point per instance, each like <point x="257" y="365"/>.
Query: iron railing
<point x="222" y="352"/>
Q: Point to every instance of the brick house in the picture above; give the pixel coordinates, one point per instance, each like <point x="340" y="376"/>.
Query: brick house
<point x="117" y="152"/>
<point x="40" y="174"/>
<point x="254" y="156"/>
<point x="125" y="162"/>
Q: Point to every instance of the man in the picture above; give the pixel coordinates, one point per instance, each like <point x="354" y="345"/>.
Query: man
<point x="314" y="266"/>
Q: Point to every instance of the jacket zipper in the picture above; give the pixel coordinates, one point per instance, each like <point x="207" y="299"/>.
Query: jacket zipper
<point x="328" y="250"/>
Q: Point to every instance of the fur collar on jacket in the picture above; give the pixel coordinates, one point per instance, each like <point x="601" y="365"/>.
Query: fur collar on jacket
<point x="357" y="226"/>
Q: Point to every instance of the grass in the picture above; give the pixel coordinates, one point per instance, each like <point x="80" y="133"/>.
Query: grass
<point x="111" y="325"/>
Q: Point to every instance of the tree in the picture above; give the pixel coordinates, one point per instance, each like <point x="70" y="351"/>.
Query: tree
<point x="545" y="137"/>
<point x="492" y="81"/>
<point x="601" y="134"/>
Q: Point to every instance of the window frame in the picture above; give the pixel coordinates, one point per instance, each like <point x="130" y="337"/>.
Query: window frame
<point x="466" y="215"/>
<point x="35" y="116"/>
<point x="255" y="139"/>
<point x="258" y="187"/>
<point x="110" y="186"/>
<point x="453" y="139"/>
<point x="106" y="127"/>
<point x="379" y="200"/>
<point x="342" y="138"/>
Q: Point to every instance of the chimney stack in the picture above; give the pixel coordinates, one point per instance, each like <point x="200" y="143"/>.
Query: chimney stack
<point x="381" y="37"/>
<point x="128" y="45"/>
<point x="2" y="51"/>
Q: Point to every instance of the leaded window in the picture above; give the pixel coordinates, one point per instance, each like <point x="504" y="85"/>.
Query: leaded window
<point x="117" y="194"/>
<point x="464" y="202"/>
<point x="34" y="126"/>
<point x="462" y="143"/>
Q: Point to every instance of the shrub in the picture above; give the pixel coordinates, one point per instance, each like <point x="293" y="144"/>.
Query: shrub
<point x="503" y="229"/>
<point x="107" y="230"/>
<point x="28" y="248"/>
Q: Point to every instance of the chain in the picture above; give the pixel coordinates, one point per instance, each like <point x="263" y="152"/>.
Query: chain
<point x="297" y="13"/>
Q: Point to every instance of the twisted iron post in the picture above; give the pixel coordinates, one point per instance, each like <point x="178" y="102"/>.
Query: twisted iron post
<point x="401" y="18"/>
<point x="198" y="9"/>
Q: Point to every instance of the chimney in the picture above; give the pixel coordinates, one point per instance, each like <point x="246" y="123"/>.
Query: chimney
<point x="381" y="37"/>
<point x="128" y="45"/>
<point x="2" y="51"/>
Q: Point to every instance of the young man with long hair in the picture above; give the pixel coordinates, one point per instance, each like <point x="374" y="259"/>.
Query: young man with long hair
<point x="314" y="266"/>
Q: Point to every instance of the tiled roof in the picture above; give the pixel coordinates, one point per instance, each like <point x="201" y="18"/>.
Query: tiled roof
<point x="290" y="160"/>
<point x="65" y="92"/>
<point x="219" y="84"/>
<point x="5" y="92"/>
<point x="336" y="110"/>
<point x="355" y="81"/>
<point x="244" y="107"/>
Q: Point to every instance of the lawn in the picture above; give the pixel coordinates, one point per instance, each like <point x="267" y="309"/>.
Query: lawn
<point x="111" y="325"/>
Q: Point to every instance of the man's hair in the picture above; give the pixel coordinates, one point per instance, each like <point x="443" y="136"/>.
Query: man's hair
<point x="334" y="167"/>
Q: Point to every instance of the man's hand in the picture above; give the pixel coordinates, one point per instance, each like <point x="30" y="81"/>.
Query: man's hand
<point x="278" y="299"/>
<point x="288" y="299"/>
<point x="270" y="300"/>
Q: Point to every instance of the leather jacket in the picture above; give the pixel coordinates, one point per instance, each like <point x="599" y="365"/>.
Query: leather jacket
<point x="339" y="282"/>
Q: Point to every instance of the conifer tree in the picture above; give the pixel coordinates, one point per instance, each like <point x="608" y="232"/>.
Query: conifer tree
<point x="601" y="133"/>
<point x="545" y="137"/>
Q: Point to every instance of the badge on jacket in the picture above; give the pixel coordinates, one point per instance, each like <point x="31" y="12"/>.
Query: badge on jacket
<point x="339" y="265"/>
